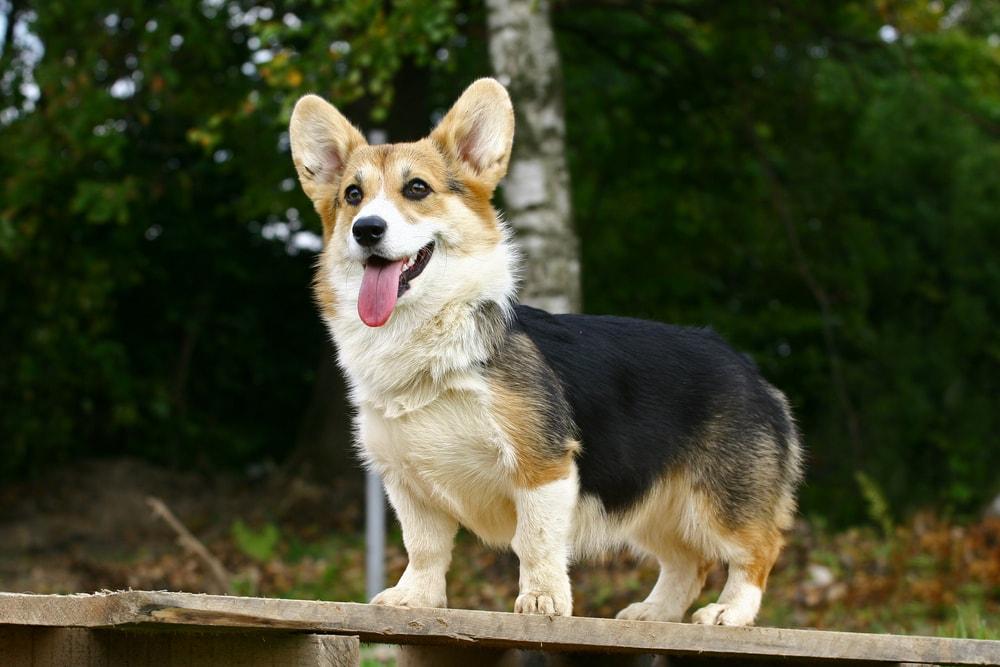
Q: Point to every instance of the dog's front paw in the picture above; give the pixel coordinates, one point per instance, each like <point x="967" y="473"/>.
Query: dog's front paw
<point x="723" y="614"/>
<point x="548" y="603"/>
<point x="401" y="596"/>
<point x="647" y="611"/>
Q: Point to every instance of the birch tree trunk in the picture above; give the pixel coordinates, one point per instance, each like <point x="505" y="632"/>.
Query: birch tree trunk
<point x="536" y="191"/>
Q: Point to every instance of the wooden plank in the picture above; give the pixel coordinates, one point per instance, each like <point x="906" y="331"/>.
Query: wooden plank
<point x="36" y="646"/>
<point x="458" y="627"/>
<point x="79" y="610"/>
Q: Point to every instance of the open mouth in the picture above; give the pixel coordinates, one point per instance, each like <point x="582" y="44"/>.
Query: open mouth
<point x="411" y="268"/>
<point x="385" y="280"/>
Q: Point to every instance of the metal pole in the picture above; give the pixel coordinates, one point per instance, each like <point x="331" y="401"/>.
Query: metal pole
<point x="374" y="536"/>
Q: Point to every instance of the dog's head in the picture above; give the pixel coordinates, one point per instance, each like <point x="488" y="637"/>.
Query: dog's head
<point x="407" y="227"/>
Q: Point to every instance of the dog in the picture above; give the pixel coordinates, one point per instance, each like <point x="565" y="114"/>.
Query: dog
<point x="561" y="436"/>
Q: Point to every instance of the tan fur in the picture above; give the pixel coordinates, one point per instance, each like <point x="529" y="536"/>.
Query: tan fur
<point x="704" y="568"/>
<point x="477" y="197"/>
<point x="517" y="402"/>
<point x="678" y="517"/>
<point x="676" y="513"/>
<point x="518" y="418"/>
<point x="763" y="545"/>
<point x="325" y="298"/>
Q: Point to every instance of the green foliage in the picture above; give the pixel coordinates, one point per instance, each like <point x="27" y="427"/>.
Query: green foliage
<point x="145" y="310"/>
<point x="823" y="197"/>
<point x="970" y="623"/>
<point x="878" y="507"/>
<point x="352" y="51"/>
<point x="259" y="545"/>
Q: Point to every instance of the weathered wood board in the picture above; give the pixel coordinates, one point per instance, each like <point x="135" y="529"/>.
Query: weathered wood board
<point x="35" y="646"/>
<point x="475" y="629"/>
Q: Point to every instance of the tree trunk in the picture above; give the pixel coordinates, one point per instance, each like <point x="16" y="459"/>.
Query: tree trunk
<point x="536" y="192"/>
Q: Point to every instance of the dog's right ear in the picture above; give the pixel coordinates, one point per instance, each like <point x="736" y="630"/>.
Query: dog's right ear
<point x="322" y="140"/>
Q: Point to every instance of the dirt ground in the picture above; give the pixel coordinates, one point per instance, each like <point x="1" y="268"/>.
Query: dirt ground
<point x="88" y="526"/>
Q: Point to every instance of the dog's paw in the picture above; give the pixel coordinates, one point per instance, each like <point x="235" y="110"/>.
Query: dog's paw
<point x="723" y="614"/>
<point x="400" y="596"/>
<point x="544" y="602"/>
<point x="647" y="611"/>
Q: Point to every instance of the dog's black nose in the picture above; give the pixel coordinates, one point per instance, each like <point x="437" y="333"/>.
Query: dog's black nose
<point x="369" y="231"/>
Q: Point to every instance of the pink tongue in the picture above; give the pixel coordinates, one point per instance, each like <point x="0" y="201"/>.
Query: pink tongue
<point x="379" y="289"/>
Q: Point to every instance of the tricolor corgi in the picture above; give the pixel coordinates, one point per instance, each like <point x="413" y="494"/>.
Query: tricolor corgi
<point x="561" y="436"/>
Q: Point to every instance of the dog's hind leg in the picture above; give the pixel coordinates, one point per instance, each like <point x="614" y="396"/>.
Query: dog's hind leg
<point x="682" y="576"/>
<point x="740" y="599"/>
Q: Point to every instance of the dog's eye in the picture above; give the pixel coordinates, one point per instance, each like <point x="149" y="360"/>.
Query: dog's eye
<point x="353" y="195"/>
<point x="416" y="189"/>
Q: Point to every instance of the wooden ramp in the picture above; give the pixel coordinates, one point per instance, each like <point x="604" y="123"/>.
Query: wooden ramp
<point x="156" y="628"/>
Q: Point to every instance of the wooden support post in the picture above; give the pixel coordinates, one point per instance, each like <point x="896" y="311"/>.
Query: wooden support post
<point x="461" y="656"/>
<point x="22" y="646"/>
<point x="456" y="656"/>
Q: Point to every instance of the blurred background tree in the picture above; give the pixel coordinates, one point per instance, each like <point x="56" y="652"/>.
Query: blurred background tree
<point x="819" y="181"/>
<point x="536" y="192"/>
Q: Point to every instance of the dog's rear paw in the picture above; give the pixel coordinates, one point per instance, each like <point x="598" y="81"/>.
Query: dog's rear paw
<point x="647" y="611"/>
<point x="543" y="602"/>
<point x="723" y="614"/>
<point x="399" y="596"/>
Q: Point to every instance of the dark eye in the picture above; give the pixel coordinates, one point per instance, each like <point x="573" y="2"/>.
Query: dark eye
<point x="416" y="189"/>
<point x="353" y="195"/>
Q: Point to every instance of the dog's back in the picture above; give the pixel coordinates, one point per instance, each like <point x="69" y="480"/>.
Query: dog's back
<point x="650" y="399"/>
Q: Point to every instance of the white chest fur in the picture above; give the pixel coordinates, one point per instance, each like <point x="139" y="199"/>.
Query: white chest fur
<point x="423" y="404"/>
<point x="451" y="455"/>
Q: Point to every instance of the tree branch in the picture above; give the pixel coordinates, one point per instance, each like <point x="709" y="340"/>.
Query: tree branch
<point x="187" y="540"/>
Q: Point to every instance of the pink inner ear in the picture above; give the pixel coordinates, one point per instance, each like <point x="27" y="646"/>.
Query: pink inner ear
<point x="469" y="149"/>
<point x="332" y="163"/>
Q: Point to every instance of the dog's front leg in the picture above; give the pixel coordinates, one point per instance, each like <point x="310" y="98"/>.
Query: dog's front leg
<point x="428" y="534"/>
<point x="541" y="542"/>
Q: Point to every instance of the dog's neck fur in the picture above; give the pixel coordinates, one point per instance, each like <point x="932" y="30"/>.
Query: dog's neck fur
<point x="428" y="348"/>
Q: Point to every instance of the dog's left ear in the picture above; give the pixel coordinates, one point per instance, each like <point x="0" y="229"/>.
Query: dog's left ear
<point x="478" y="131"/>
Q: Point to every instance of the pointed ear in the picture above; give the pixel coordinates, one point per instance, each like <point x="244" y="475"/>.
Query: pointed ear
<point x="322" y="140"/>
<point x="478" y="131"/>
